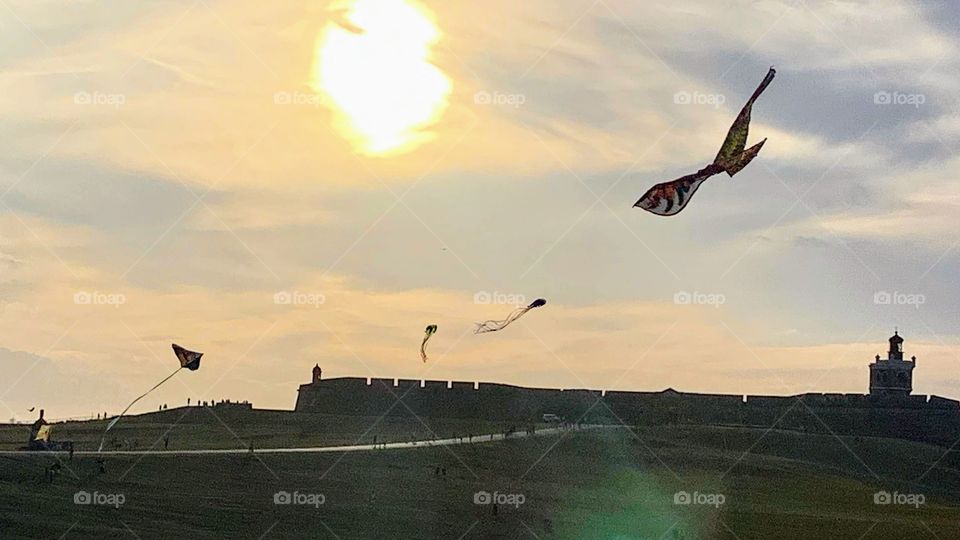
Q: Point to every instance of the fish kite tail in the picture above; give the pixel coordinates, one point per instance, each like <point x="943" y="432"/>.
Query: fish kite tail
<point x="763" y="85"/>
<point x="745" y="158"/>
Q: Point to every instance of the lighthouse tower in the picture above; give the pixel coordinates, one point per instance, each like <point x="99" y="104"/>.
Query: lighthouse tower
<point x="892" y="376"/>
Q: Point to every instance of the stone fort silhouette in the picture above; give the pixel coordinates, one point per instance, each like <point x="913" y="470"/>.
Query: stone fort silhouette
<point x="889" y="409"/>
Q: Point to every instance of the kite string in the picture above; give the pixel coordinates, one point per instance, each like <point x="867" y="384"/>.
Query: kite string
<point x="132" y="403"/>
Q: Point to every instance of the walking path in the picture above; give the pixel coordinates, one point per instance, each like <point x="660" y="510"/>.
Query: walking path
<point x="476" y="439"/>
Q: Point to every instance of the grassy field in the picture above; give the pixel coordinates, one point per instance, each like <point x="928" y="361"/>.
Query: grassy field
<point x="208" y="428"/>
<point x="603" y="484"/>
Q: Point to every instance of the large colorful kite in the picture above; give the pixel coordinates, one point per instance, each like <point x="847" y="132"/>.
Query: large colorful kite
<point x="669" y="198"/>
<point x="430" y="330"/>
<point x="188" y="359"/>
<point x="493" y="326"/>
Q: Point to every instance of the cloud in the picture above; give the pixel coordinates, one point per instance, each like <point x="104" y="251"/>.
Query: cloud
<point x="140" y="109"/>
<point x="918" y="205"/>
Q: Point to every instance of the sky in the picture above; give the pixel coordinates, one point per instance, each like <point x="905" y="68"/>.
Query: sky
<point x="283" y="184"/>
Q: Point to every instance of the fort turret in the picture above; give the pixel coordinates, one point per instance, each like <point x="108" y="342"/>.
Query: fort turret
<point x="892" y="376"/>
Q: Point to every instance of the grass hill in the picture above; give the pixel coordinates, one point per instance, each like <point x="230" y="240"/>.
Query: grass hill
<point x="613" y="483"/>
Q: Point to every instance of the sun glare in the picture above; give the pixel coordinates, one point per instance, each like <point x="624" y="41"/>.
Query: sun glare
<point x="374" y="66"/>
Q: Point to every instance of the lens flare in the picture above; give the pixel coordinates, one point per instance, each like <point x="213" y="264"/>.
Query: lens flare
<point x="373" y="66"/>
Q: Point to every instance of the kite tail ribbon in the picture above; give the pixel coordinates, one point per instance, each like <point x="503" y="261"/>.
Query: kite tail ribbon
<point x="132" y="403"/>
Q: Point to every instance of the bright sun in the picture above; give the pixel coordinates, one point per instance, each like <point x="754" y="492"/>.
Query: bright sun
<point x="374" y="66"/>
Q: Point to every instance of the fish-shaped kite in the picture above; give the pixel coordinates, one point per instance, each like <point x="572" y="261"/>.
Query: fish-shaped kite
<point x="188" y="360"/>
<point x="430" y="330"/>
<point x="493" y="326"/>
<point x="669" y="198"/>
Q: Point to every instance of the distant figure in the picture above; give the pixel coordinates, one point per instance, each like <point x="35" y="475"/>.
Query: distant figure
<point x="35" y="430"/>
<point x="166" y="442"/>
<point x="436" y="472"/>
<point x="102" y="465"/>
<point x="188" y="402"/>
<point x="53" y="471"/>
<point x="495" y="509"/>
<point x="444" y="471"/>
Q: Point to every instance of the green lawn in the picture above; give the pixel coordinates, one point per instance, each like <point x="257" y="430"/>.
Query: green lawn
<point x="208" y="428"/>
<point x="602" y="484"/>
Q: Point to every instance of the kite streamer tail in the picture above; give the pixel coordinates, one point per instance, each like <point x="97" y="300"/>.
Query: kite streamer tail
<point x="132" y="403"/>
<point x="423" y="349"/>
<point x="493" y="326"/>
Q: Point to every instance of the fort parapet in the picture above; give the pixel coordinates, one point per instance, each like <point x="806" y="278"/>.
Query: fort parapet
<point x="882" y="413"/>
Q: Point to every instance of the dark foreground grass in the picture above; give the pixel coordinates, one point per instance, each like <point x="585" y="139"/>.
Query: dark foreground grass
<point x="215" y="428"/>
<point x="606" y="484"/>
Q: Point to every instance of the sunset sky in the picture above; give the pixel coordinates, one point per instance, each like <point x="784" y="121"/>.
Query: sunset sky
<point x="175" y="171"/>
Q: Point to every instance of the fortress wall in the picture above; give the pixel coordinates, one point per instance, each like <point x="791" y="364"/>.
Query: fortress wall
<point x="934" y="419"/>
<point x="770" y="401"/>
<point x="944" y="403"/>
<point x="406" y="384"/>
<point x="624" y="394"/>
